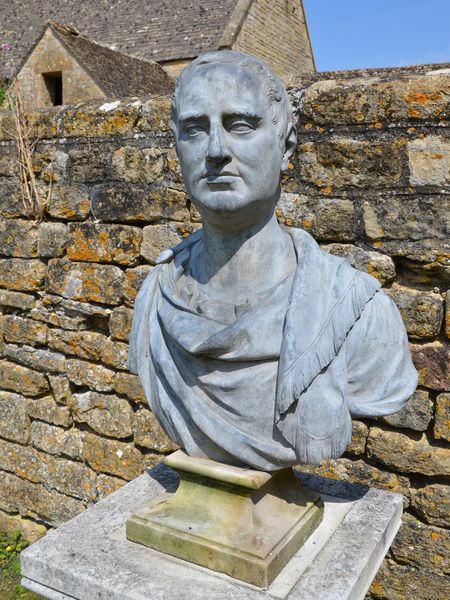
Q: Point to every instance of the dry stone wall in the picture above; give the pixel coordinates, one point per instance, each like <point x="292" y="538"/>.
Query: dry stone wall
<point x="370" y="181"/>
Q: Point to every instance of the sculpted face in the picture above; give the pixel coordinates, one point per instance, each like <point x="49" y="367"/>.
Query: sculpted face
<point x="229" y="150"/>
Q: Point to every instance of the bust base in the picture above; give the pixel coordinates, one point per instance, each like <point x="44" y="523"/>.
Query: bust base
<point x="90" y="557"/>
<point x="245" y="523"/>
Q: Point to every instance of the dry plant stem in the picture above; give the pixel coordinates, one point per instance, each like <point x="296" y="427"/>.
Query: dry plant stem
<point x="33" y="202"/>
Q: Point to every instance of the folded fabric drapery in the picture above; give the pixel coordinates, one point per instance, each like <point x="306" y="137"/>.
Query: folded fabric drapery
<point x="337" y="347"/>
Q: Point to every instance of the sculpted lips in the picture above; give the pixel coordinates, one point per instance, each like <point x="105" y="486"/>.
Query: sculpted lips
<point x="219" y="177"/>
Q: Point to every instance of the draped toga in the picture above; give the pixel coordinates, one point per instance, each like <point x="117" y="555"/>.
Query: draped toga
<point x="221" y="388"/>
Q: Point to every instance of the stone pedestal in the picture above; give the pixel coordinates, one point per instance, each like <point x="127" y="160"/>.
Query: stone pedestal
<point x="245" y="523"/>
<point x="90" y="557"/>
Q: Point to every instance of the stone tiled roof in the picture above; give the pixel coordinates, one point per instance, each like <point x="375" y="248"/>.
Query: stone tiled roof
<point x="155" y="30"/>
<point x="116" y="74"/>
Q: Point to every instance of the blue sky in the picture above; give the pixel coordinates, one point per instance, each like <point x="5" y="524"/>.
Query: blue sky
<point x="355" y="34"/>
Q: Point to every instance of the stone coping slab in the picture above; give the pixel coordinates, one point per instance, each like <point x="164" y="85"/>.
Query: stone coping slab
<point x="89" y="558"/>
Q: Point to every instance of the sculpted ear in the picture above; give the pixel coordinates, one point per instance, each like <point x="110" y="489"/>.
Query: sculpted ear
<point x="290" y="145"/>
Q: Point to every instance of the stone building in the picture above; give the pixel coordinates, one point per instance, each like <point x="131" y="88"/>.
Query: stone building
<point x="65" y="67"/>
<point x="170" y="33"/>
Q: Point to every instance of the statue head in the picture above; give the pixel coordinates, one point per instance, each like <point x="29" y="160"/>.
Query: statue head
<point x="234" y="135"/>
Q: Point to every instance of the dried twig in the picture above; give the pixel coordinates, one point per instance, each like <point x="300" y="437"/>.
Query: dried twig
<point x="33" y="201"/>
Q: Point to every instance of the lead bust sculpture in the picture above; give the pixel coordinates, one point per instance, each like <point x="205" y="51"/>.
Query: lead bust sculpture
<point x="253" y="346"/>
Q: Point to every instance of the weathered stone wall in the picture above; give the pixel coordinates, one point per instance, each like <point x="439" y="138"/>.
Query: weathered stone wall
<point x="370" y="181"/>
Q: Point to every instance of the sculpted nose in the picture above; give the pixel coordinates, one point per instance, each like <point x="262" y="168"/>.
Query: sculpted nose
<point x="217" y="148"/>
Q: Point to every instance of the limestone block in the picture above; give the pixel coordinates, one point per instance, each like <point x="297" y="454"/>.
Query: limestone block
<point x="57" y="441"/>
<point x="149" y="433"/>
<point x="134" y="279"/>
<point x="42" y="125"/>
<point x="160" y="237"/>
<point x="115" y="354"/>
<point x="442" y="417"/>
<point x="432" y="503"/>
<point x="447" y="314"/>
<point x="69" y="202"/>
<point x="325" y="218"/>
<point x="359" y="437"/>
<point x="376" y="264"/>
<point x="422" y="312"/>
<point x="107" y="484"/>
<point x="95" y="242"/>
<point x="14" y="420"/>
<point x="90" y="345"/>
<point x="401" y="582"/>
<point x="414" y="218"/>
<point x="127" y="202"/>
<point x="30" y="530"/>
<point x="11" y="206"/>
<point x="65" y="476"/>
<point x="369" y="100"/>
<point x="8" y="163"/>
<point x="104" y="413"/>
<point x="30" y="499"/>
<point x="56" y="315"/>
<point x="60" y="388"/>
<point x="429" y="161"/>
<point x="358" y="471"/>
<point x="87" y="374"/>
<point x="416" y="414"/>
<point x="80" y="308"/>
<point x="90" y="163"/>
<point x="155" y="115"/>
<point x="46" y="409"/>
<point x="85" y="281"/>
<point x="407" y="454"/>
<point x="112" y="457"/>
<point x="138" y="165"/>
<point x="41" y="360"/>
<point x="120" y="323"/>
<point x="24" y="331"/>
<point x="16" y="300"/>
<point x="18" y="238"/>
<point x="432" y="362"/>
<point x="173" y="167"/>
<point x="341" y="162"/>
<point x="21" y="274"/>
<point x="22" y="380"/>
<point x="425" y="546"/>
<point x="92" y="122"/>
<point x="82" y="344"/>
<point x="129" y="386"/>
<point x="52" y="239"/>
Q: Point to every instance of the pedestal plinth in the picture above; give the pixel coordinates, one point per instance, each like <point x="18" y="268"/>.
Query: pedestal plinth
<point x="245" y="523"/>
<point x="90" y="557"/>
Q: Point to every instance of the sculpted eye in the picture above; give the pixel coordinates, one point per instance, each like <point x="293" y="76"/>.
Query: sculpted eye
<point x="194" y="129"/>
<point x="241" y="127"/>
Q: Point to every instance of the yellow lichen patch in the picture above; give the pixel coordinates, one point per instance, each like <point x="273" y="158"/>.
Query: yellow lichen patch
<point x="279" y="213"/>
<point x="435" y="536"/>
<point x="327" y="190"/>
<point x="307" y="223"/>
<point x="308" y="126"/>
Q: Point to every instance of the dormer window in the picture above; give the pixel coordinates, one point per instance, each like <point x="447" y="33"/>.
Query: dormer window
<point x="54" y="85"/>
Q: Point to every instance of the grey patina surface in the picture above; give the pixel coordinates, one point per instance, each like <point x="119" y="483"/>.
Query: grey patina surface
<point x="252" y="345"/>
<point x="89" y="558"/>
